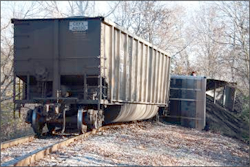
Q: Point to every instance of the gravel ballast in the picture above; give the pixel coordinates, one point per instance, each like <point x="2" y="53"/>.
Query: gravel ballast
<point x="151" y="144"/>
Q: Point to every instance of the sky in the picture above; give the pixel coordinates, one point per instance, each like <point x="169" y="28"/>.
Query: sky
<point x="189" y="5"/>
<point x="102" y="6"/>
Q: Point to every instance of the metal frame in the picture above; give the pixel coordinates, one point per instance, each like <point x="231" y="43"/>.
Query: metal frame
<point x="56" y="74"/>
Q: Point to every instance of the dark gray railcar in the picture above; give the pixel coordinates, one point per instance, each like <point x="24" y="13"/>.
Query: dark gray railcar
<point x="187" y="101"/>
<point x="223" y="92"/>
<point x="86" y="71"/>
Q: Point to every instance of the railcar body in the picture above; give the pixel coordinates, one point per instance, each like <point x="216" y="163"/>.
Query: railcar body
<point x="187" y="98"/>
<point x="86" y="71"/>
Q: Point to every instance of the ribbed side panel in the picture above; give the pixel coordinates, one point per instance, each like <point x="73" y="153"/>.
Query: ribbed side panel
<point x="136" y="72"/>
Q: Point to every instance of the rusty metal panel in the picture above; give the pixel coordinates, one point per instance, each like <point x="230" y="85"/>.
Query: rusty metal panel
<point x="121" y="57"/>
<point x="143" y="76"/>
<point x="140" y="71"/>
<point x="27" y="41"/>
<point x="56" y="72"/>
<point x="146" y="84"/>
<point x="165" y="80"/>
<point x="115" y="68"/>
<point x="168" y="81"/>
<point x="79" y="50"/>
<point x="159" y="77"/>
<point x="127" y="79"/>
<point x="108" y="55"/>
<point x="35" y="43"/>
<point x="162" y="80"/>
<point x="152" y="75"/>
<point x="188" y="101"/>
<point x="157" y="81"/>
<point x="133" y="69"/>
<point x="48" y="50"/>
<point x="112" y="63"/>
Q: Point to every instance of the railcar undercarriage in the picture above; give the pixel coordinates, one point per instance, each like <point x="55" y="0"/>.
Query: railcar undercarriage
<point x="65" y="117"/>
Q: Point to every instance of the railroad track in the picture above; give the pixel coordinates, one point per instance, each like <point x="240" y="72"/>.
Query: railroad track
<point x="27" y="150"/>
<point x="14" y="142"/>
<point x="21" y="140"/>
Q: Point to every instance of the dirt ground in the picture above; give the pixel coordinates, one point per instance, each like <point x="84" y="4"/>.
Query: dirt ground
<point x="151" y="144"/>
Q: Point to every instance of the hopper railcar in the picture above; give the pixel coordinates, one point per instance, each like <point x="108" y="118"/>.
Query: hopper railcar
<point x="86" y="71"/>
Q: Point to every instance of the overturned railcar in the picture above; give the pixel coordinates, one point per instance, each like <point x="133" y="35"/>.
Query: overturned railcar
<point x="187" y="105"/>
<point x="86" y="72"/>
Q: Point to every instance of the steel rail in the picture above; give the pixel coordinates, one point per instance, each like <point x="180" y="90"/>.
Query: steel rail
<point x="27" y="160"/>
<point x="39" y="154"/>
<point x="13" y="142"/>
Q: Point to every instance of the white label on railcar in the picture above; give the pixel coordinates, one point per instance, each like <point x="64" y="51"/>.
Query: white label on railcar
<point x="121" y="67"/>
<point x="78" y="25"/>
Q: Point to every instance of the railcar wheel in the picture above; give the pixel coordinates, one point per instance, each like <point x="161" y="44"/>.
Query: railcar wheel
<point x="81" y="128"/>
<point x="94" y="119"/>
<point x="37" y="124"/>
<point x="156" y="118"/>
<point x="51" y="128"/>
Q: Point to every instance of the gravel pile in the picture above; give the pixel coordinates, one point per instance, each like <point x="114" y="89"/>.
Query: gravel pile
<point x="151" y="144"/>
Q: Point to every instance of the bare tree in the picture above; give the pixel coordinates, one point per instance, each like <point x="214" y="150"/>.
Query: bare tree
<point x="154" y="22"/>
<point x="236" y="38"/>
<point x="81" y="8"/>
<point x="12" y="10"/>
<point x="112" y="7"/>
<point x="209" y="60"/>
<point x="52" y="9"/>
<point x="68" y="8"/>
<point x="223" y="41"/>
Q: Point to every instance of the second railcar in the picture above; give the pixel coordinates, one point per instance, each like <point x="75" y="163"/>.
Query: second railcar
<point x="86" y="71"/>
